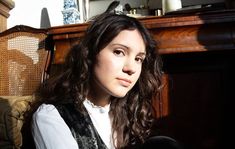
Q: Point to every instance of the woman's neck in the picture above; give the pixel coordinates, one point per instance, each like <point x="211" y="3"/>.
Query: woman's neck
<point x="98" y="99"/>
<point x="97" y="95"/>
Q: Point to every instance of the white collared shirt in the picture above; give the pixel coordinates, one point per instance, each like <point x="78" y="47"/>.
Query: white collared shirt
<point x="51" y="132"/>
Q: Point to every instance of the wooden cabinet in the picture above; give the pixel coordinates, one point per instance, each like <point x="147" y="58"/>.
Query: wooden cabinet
<point x="198" y="52"/>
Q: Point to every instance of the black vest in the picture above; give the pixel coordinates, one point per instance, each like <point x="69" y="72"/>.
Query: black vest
<point x="81" y="127"/>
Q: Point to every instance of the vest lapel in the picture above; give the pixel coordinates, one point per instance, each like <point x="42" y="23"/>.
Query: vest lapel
<point x="81" y="127"/>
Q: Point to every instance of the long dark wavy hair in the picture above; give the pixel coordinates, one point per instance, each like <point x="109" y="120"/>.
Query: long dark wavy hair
<point x="132" y="115"/>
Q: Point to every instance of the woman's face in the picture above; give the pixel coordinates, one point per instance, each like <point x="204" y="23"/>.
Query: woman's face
<point x="118" y="65"/>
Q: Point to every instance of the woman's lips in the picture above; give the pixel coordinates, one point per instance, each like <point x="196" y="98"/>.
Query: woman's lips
<point x="124" y="82"/>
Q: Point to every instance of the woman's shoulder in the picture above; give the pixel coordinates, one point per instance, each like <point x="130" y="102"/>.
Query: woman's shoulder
<point x="46" y="110"/>
<point x="49" y="130"/>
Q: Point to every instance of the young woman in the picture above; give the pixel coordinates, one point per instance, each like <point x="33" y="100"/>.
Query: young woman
<point x="103" y="97"/>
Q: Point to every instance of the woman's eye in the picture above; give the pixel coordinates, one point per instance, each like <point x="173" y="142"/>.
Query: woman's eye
<point x="119" y="53"/>
<point x="139" y="59"/>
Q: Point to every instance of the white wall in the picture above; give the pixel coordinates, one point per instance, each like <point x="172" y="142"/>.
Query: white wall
<point x="28" y="12"/>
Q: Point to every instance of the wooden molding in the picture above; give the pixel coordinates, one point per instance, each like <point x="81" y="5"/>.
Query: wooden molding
<point x="5" y="7"/>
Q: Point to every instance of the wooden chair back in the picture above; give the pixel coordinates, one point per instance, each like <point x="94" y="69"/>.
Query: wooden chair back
<point x="25" y="57"/>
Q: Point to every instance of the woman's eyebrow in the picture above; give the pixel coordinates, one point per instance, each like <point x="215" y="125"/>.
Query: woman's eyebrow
<point x="142" y="54"/>
<point x="126" y="47"/>
<point x="118" y="44"/>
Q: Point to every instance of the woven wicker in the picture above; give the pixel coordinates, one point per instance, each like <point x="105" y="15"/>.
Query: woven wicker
<point x="23" y="60"/>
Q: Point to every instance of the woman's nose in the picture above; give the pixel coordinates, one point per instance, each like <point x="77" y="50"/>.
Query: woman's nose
<point x="129" y="67"/>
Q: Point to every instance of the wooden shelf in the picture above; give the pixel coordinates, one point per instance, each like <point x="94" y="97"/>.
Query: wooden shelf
<point x="201" y="32"/>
